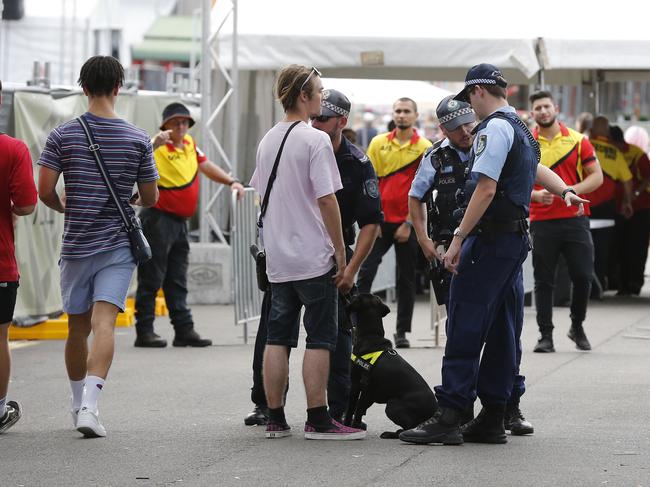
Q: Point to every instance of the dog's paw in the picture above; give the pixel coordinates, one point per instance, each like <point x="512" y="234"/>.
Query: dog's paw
<point x="390" y="435"/>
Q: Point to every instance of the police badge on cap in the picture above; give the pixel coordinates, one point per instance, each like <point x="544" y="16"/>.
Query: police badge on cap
<point x="335" y="104"/>
<point x="453" y="113"/>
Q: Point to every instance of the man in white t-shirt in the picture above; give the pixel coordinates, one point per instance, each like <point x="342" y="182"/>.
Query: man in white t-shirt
<point x="301" y="233"/>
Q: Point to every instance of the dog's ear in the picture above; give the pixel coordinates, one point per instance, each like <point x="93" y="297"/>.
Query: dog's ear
<point x="353" y="304"/>
<point x="382" y="306"/>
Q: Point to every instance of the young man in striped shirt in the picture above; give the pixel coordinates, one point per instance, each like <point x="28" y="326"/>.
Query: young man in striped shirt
<point x="96" y="260"/>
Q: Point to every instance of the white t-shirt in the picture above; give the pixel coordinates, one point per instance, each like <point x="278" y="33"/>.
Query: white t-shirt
<point x="294" y="236"/>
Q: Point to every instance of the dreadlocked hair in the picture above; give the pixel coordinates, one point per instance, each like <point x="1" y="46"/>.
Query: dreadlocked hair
<point x="100" y="75"/>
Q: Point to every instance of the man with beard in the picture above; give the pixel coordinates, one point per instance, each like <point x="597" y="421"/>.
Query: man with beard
<point x="396" y="156"/>
<point x="558" y="229"/>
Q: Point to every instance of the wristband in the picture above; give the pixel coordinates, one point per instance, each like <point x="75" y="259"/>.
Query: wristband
<point x="568" y="190"/>
<point x="235" y="180"/>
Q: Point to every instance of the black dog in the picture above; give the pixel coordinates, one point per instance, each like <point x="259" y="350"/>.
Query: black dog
<point x="384" y="378"/>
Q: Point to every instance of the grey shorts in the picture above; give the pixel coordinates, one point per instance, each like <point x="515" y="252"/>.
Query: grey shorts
<point x="101" y="277"/>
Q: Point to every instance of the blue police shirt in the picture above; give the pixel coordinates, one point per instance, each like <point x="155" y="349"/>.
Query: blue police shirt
<point x="426" y="173"/>
<point x="492" y="144"/>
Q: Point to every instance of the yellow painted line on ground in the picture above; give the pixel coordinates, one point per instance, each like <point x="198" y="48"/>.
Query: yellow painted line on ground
<point x="22" y="344"/>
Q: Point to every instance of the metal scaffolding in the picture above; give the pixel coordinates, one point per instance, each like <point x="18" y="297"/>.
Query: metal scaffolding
<point x="213" y="108"/>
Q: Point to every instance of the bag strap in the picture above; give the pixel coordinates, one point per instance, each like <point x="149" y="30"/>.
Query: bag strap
<point x="274" y="172"/>
<point x="93" y="147"/>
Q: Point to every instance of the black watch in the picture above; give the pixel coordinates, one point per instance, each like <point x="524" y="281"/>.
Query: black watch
<point x="568" y="190"/>
<point x="235" y="180"/>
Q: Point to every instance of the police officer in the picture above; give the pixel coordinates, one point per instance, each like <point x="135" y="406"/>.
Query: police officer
<point x="359" y="203"/>
<point x="444" y="169"/>
<point x="485" y="298"/>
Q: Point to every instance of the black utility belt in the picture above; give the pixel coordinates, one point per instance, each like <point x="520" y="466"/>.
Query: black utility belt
<point x="494" y="227"/>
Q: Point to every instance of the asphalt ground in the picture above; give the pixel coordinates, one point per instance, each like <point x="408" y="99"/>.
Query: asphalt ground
<point x="175" y="416"/>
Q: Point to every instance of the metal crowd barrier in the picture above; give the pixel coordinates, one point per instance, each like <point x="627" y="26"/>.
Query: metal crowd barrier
<point x="247" y="297"/>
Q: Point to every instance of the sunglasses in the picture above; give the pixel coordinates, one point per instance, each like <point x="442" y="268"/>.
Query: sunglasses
<point x="322" y="118"/>
<point x="313" y="70"/>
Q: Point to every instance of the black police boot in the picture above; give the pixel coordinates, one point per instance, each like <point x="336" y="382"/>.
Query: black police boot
<point x="400" y="340"/>
<point x="150" y="340"/>
<point x="258" y="416"/>
<point x="443" y="427"/>
<point x="190" y="338"/>
<point x="467" y="415"/>
<point x="577" y="334"/>
<point x="515" y="422"/>
<point x="487" y="427"/>
<point x="545" y="342"/>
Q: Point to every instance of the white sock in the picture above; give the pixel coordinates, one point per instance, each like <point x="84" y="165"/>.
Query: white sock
<point x="77" y="387"/>
<point x="3" y="410"/>
<point x="94" y="386"/>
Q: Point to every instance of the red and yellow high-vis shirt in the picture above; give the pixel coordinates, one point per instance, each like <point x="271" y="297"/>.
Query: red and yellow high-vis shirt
<point x="395" y="165"/>
<point x="639" y="165"/>
<point x="615" y="170"/>
<point x="179" y="182"/>
<point x="566" y="154"/>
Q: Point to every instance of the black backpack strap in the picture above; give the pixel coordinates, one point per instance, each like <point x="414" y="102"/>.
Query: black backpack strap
<point x="94" y="149"/>
<point x="274" y="172"/>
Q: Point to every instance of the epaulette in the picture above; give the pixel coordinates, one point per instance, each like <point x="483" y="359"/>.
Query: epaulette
<point x="358" y="154"/>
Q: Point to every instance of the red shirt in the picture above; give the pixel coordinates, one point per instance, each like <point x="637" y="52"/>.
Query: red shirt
<point x="17" y="187"/>
<point x="179" y="177"/>
<point x="396" y="165"/>
<point x="567" y="154"/>
<point x="639" y="165"/>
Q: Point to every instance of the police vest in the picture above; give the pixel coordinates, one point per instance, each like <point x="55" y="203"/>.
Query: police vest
<point x="450" y="176"/>
<point x="517" y="177"/>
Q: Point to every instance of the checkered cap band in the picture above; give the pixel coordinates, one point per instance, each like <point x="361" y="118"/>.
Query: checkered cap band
<point x="335" y="109"/>
<point x="480" y="81"/>
<point x="457" y="113"/>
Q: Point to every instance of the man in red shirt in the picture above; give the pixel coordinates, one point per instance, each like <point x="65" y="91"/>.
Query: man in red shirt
<point x="396" y="156"/>
<point x="632" y="235"/>
<point x="180" y="163"/>
<point x="17" y="197"/>
<point x="556" y="228"/>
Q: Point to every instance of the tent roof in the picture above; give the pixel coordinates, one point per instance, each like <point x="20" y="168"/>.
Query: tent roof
<point x="436" y="41"/>
<point x="169" y="39"/>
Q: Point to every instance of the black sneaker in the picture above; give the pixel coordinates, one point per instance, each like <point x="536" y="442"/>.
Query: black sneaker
<point x="544" y="344"/>
<point x="190" y="339"/>
<point x="577" y="334"/>
<point x="401" y="341"/>
<point x="258" y="416"/>
<point x="11" y="416"/>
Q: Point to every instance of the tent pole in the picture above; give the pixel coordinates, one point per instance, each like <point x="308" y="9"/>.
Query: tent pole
<point x="206" y="106"/>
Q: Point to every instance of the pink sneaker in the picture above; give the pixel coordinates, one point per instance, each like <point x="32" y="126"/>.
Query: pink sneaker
<point x="277" y="430"/>
<point x="336" y="431"/>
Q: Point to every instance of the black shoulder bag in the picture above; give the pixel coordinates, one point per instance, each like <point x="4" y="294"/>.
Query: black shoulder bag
<point x="139" y="246"/>
<point x="260" y="255"/>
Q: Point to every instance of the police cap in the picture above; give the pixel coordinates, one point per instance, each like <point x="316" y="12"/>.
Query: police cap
<point x="481" y="74"/>
<point x="453" y="113"/>
<point x="334" y="104"/>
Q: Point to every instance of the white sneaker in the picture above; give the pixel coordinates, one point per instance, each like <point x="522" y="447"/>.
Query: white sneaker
<point x="74" y="414"/>
<point x="88" y="424"/>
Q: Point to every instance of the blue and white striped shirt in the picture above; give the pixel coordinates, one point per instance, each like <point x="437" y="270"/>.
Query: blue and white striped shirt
<point x="92" y="222"/>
